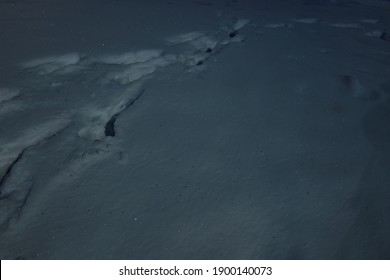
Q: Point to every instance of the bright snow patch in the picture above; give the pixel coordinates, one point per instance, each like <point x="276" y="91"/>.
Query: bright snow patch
<point x="130" y="57"/>
<point x="48" y="65"/>
<point x="8" y="93"/>
<point x="183" y="38"/>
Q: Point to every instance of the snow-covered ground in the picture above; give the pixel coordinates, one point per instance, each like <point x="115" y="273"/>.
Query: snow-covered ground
<point x="232" y="129"/>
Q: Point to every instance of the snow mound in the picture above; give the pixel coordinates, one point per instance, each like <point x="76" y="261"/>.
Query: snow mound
<point x="130" y="57"/>
<point x="306" y="20"/>
<point x="8" y="93"/>
<point x="97" y="118"/>
<point x="12" y="106"/>
<point x="184" y="38"/>
<point x="203" y="43"/>
<point x="240" y="23"/>
<point x="10" y="152"/>
<point x="370" y="20"/>
<point x="138" y="71"/>
<point x="346" y="25"/>
<point x="278" y="25"/>
<point x="51" y="64"/>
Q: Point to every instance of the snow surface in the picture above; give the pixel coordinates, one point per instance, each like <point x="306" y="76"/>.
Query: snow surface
<point x="175" y="129"/>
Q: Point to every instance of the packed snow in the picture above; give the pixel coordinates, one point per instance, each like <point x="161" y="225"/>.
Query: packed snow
<point x="195" y="129"/>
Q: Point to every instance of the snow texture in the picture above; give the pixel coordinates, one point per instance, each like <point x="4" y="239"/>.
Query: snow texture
<point x="215" y="130"/>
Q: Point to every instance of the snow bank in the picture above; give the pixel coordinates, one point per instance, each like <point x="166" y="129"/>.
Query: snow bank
<point x="306" y="20"/>
<point x="97" y="117"/>
<point x="184" y="38"/>
<point x="240" y="23"/>
<point x="8" y="94"/>
<point x="130" y="57"/>
<point x="51" y="64"/>
<point x="11" y="151"/>
<point x="137" y="71"/>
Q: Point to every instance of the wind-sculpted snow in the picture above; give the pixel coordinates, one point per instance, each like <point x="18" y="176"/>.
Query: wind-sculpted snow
<point x="138" y="71"/>
<point x="102" y="86"/>
<point x="13" y="194"/>
<point x="129" y="57"/>
<point x="96" y="118"/>
<point x="195" y="129"/>
<point x="51" y="64"/>
<point x="8" y="94"/>
<point x="10" y="151"/>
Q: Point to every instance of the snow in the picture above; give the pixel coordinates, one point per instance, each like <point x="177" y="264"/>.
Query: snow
<point x="130" y="57"/>
<point x="8" y="94"/>
<point x="138" y="71"/>
<point x="240" y="23"/>
<point x="48" y="65"/>
<point x="306" y="20"/>
<point x="184" y="38"/>
<point x="98" y="117"/>
<point x="192" y="130"/>
<point x="345" y="25"/>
